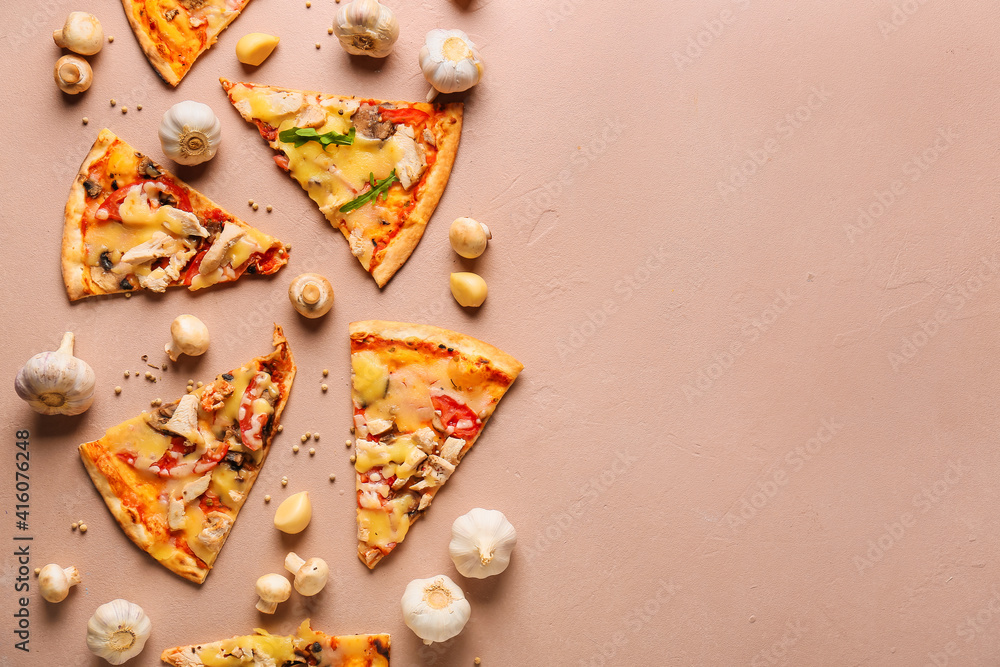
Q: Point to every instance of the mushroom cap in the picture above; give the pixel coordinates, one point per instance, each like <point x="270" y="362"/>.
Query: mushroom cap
<point x="73" y="74"/>
<point x="273" y="588"/>
<point x="311" y="295"/>
<point x="189" y="335"/>
<point x="81" y="33"/>
<point x="312" y="576"/>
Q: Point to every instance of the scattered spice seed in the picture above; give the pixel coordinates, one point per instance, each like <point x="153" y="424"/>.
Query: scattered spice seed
<point x="87" y="120"/>
<point x="329" y="31"/>
<point x="353" y="458"/>
<point x="128" y="295"/>
<point x="127" y="373"/>
<point x="149" y="376"/>
<point x="124" y="109"/>
<point x="249" y="202"/>
<point x="308" y="5"/>
<point x="164" y="366"/>
<point x="295" y="449"/>
<point x="200" y="384"/>
<point x="312" y="451"/>
<point x="118" y="390"/>
<point x="111" y="38"/>
<point x="280" y="428"/>
<point x="324" y="386"/>
<point x="477" y="661"/>
<point x="304" y="438"/>
<point x="347" y="443"/>
<point x="351" y="430"/>
<point x="155" y="403"/>
<point x="138" y="107"/>
<point x="317" y="45"/>
<point x="315" y="436"/>
<point x="113" y="101"/>
<point x="255" y="207"/>
<point x="73" y="525"/>
<point x="267" y="499"/>
<point x="326" y="371"/>
<point x="37" y="571"/>
<point x="268" y="208"/>
<point x="333" y="477"/>
<point x="83" y="528"/>
<point x="284" y="482"/>
<point x="308" y="435"/>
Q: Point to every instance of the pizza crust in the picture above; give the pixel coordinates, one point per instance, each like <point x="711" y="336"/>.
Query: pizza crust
<point x="148" y="46"/>
<point x="468" y="345"/>
<point x="108" y="472"/>
<point x="401" y="247"/>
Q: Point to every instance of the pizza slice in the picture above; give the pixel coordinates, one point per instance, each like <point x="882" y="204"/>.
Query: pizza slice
<point x="305" y="647"/>
<point x="173" y="33"/>
<point x="421" y="398"/>
<point x="376" y="169"/>
<point x="176" y="478"/>
<point x="130" y="225"/>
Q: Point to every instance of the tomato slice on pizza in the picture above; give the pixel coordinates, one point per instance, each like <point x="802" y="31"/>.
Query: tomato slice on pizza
<point x="173" y="33"/>
<point x="176" y="478"/>
<point x="376" y="169"/>
<point x="422" y="396"/>
<point x="131" y="225"/>
<point x="305" y="647"/>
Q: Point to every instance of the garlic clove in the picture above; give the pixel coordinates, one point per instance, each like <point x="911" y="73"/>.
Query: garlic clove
<point x="118" y="631"/>
<point x="469" y="289"/>
<point x="73" y="75"/>
<point x="81" y="33"/>
<point x="188" y="335"/>
<point x="254" y="48"/>
<point x="54" y="581"/>
<point x="57" y="382"/>
<point x="294" y="513"/>
<point x="190" y="133"/>
<point x="366" y="28"/>
<point x="481" y="543"/>
<point x="435" y="608"/>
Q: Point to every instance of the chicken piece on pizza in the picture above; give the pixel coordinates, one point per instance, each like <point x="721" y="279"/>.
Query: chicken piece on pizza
<point x="422" y="396"/>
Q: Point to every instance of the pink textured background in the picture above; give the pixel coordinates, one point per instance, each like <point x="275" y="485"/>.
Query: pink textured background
<point x="741" y="436"/>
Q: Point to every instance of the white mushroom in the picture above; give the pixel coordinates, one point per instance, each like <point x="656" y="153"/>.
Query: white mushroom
<point x="55" y="581"/>
<point x="188" y="335"/>
<point x="82" y="33"/>
<point x="73" y="74"/>
<point x="469" y="237"/>
<point x="310" y="575"/>
<point x="311" y="295"/>
<point x="272" y="589"/>
<point x="184" y="421"/>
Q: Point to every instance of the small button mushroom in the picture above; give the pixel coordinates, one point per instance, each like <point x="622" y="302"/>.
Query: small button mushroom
<point x="272" y="589"/>
<point x="469" y="289"/>
<point x="468" y="237"/>
<point x="311" y="295"/>
<point x="294" y="513"/>
<point x="188" y="335"/>
<point x="82" y="33"/>
<point x="310" y="575"/>
<point x="73" y="74"/>
<point x="54" y="581"/>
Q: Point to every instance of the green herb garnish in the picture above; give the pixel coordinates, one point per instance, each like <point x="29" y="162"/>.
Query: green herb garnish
<point x="301" y="135"/>
<point x="378" y="188"/>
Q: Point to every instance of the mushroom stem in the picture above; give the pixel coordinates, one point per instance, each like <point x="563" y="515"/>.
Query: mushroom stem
<point x="293" y="562"/>
<point x="70" y="72"/>
<point x="266" y="607"/>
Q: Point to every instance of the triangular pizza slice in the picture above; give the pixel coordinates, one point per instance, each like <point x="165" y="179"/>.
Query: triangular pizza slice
<point x="130" y="225"/>
<point x="176" y="478"/>
<point x="421" y="398"/>
<point x="173" y="33"/>
<point x="375" y="168"/>
<point x="305" y="647"/>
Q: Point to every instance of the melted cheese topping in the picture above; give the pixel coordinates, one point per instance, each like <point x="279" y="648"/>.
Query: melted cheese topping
<point x="181" y="33"/>
<point x="264" y="649"/>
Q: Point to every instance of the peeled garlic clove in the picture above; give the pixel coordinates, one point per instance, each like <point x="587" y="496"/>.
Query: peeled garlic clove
<point x="450" y="61"/>
<point x="481" y="543"/>
<point x="188" y="335"/>
<point x="468" y="238"/>
<point x="366" y="28"/>
<point x="435" y="609"/>
<point x="54" y="581"/>
<point x="118" y="631"/>
<point x="253" y="49"/>
<point x="190" y="133"/>
<point x="82" y="33"/>
<point x="57" y="382"/>
<point x="469" y="289"/>
<point x="294" y="513"/>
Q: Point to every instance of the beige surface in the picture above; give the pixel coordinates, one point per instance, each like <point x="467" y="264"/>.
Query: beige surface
<point x="715" y="519"/>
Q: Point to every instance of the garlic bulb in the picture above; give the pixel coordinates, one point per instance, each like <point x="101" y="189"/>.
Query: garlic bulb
<point x="57" y="382"/>
<point x="190" y="133"/>
<point x="117" y="631"/>
<point x="450" y="62"/>
<point x="435" y="609"/>
<point x="481" y="542"/>
<point x="366" y="28"/>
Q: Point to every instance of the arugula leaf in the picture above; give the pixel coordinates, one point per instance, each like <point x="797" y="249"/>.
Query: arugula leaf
<point x="301" y="135"/>
<point x="378" y="188"/>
